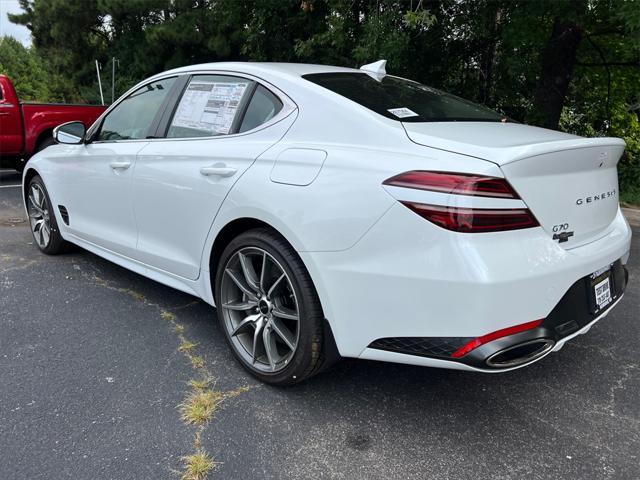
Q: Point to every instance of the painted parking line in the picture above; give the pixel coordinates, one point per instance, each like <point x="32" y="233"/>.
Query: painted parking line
<point x="10" y="186"/>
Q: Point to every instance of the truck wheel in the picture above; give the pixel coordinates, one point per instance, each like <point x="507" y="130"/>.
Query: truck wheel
<point x="45" y="142"/>
<point x="19" y="165"/>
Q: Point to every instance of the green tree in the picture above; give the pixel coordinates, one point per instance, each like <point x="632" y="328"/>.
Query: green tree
<point x="70" y="35"/>
<point x="30" y="73"/>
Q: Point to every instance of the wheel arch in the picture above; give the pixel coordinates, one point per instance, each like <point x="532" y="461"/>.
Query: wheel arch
<point x="228" y="233"/>
<point x="47" y="132"/>
<point x="29" y="173"/>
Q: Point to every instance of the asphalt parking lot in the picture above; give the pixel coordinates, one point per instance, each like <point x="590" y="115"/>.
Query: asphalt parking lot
<point x="92" y="373"/>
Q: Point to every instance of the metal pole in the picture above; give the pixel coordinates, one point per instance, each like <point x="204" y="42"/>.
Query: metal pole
<point x="113" y="79"/>
<point x="99" y="82"/>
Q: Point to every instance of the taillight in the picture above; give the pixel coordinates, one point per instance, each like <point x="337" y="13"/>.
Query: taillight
<point x="490" y="337"/>
<point x="465" y="219"/>
<point x="471" y="220"/>
<point x="455" y="183"/>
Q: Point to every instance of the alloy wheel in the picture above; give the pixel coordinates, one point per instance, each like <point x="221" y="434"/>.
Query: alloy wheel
<point x="39" y="219"/>
<point x="260" y="309"/>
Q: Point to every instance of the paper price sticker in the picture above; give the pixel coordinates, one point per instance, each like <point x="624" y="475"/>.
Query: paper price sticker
<point x="402" y="112"/>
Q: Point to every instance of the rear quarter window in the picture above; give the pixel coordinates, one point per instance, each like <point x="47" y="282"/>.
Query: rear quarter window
<point x="263" y="107"/>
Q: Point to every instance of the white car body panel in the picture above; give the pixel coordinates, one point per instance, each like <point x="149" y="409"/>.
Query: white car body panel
<point x="168" y="184"/>
<point x="103" y="209"/>
<point x="316" y="177"/>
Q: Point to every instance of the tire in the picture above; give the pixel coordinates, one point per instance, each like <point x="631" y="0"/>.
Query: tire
<point x="257" y="318"/>
<point x="20" y="165"/>
<point x="45" y="142"/>
<point x="42" y="219"/>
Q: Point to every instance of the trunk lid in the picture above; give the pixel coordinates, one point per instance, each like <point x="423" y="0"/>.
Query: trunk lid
<point x="570" y="183"/>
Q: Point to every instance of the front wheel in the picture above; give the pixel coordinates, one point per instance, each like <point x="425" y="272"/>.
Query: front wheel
<point x="268" y="308"/>
<point x="42" y="219"/>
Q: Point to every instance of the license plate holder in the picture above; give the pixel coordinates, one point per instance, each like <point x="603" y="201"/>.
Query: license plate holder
<point x="602" y="291"/>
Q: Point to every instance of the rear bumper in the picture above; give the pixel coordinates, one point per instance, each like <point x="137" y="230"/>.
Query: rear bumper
<point x="395" y="357"/>
<point x="407" y="278"/>
<point x="573" y="315"/>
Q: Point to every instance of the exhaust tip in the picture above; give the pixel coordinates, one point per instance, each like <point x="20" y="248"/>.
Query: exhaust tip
<point x="520" y="353"/>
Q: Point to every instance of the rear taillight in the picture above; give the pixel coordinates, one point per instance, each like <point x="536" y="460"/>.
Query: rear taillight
<point x="455" y="183"/>
<point x="465" y="219"/>
<point x="470" y="220"/>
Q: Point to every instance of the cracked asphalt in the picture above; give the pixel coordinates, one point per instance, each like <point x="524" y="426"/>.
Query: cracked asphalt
<point x="91" y="379"/>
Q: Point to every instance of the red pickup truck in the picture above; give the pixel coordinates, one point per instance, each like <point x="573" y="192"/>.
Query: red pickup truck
<point x="26" y="128"/>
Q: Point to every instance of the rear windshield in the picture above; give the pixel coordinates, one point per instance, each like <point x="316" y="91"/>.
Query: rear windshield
<point x="402" y="99"/>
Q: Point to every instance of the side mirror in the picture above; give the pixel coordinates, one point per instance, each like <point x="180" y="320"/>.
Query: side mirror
<point x="71" y="133"/>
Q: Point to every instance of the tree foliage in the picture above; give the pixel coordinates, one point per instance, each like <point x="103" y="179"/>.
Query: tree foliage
<point x="30" y="73"/>
<point x="569" y="64"/>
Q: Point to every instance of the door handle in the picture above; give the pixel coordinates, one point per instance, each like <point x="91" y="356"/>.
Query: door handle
<point x="120" y="165"/>
<point x="219" y="169"/>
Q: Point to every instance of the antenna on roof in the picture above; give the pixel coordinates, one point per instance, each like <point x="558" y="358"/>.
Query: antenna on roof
<point x="376" y="69"/>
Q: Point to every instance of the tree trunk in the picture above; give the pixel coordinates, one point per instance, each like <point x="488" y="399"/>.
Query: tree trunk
<point x="488" y="55"/>
<point x="558" y="60"/>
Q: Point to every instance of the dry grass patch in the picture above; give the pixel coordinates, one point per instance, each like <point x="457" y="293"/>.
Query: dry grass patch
<point x="187" y="346"/>
<point x="168" y="316"/>
<point x="132" y="293"/>
<point x="197" y="361"/>
<point x="237" y="391"/>
<point x="197" y="466"/>
<point x="199" y="384"/>
<point x="138" y="297"/>
<point x="200" y="406"/>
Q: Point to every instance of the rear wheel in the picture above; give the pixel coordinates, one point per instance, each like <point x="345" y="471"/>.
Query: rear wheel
<point x="42" y="219"/>
<point x="268" y="308"/>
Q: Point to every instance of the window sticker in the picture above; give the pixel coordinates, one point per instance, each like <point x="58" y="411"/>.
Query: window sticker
<point x="209" y="106"/>
<point x="402" y="112"/>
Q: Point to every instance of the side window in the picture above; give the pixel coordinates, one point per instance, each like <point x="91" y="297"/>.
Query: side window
<point x="132" y="117"/>
<point x="209" y="106"/>
<point x="263" y="107"/>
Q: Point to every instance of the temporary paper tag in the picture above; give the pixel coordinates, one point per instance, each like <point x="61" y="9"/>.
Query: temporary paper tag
<point x="402" y="112"/>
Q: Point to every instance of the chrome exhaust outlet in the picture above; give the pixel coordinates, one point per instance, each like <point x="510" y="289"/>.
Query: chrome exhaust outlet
<point x="521" y="353"/>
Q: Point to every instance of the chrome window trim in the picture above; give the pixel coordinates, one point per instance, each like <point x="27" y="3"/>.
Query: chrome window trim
<point x="288" y="106"/>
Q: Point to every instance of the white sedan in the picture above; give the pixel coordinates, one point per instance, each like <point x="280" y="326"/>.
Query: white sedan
<point x="333" y="212"/>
